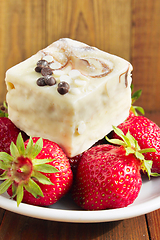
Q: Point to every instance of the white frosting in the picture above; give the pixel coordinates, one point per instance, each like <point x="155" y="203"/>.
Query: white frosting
<point x="95" y="100"/>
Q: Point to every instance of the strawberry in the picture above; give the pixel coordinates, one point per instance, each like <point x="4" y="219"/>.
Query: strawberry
<point x="147" y="133"/>
<point x="8" y="133"/>
<point x="37" y="172"/>
<point x="109" y="176"/>
<point x="74" y="161"/>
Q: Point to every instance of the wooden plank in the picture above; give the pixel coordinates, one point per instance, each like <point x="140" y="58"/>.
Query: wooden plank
<point x="134" y="228"/>
<point x="153" y="219"/>
<point x="2" y="211"/>
<point x="104" y="23"/>
<point x="22" y="33"/>
<point x="18" y="227"/>
<point x="154" y="116"/>
<point x="145" y="52"/>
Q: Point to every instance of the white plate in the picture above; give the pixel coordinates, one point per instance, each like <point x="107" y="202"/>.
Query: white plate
<point x="66" y="211"/>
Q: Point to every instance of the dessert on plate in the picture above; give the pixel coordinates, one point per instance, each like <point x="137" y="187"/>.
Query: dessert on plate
<point x="69" y="93"/>
<point x="66" y="97"/>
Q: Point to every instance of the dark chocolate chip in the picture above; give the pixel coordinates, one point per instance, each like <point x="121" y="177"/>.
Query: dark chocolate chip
<point x="46" y="71"/>
<point x="41" y="82"/>
<point x="50" y="80"/>
<point x="38" y="69"/>
<point x="63" y="88"/>
<point x="42" y="63"/>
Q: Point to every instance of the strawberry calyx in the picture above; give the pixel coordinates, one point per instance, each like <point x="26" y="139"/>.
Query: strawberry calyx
<point x="136" y="95"/>
<point x="131" y="146"/>
<point x="21" y="169"/>
<point x="4" y="110"/>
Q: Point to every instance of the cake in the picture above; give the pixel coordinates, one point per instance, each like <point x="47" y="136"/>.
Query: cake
<point x="69" y="93"/>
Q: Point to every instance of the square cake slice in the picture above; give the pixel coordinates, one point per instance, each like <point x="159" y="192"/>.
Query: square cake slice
<point x="69" y="93"/>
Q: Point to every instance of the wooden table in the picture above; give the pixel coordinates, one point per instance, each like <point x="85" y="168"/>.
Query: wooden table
<point x="18" y="227"/>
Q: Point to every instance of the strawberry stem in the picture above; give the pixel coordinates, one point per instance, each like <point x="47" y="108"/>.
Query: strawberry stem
<point x="22" y="168"/>
<point x="4" y="110"/>
<point x="131" y="146"/>
<point x="136" y="95"/>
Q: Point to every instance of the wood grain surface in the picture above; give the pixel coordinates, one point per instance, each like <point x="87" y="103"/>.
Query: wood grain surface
<point x="127" y="28"/>
<point x="31" y="228"/>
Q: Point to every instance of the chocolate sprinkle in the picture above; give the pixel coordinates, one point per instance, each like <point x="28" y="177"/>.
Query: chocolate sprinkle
<point x="63" y="88"/>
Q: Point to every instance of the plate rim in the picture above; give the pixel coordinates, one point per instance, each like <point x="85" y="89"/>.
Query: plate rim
<point x="80" y="216"/>
<point x="147" y="201"/>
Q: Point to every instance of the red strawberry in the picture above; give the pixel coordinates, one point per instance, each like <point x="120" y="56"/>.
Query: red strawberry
<point x="147" y="133"/>
<point x="106" y="178"/>
<point x="74" y="161"/>
<point x="37" y="172"/>
<point x="131" y="114"/>
<point x="109" y="176"/>
<point x="8" y="133"/>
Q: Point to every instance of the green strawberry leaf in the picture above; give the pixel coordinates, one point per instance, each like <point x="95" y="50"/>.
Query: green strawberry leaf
<point x="139" y="155"/>
<point x="155" y="174"/>
<point x="134" y="109"/>
<point x="33" y="188"/>
<point x="36" y="149"/>
<point x="14" y="190"/>
<point x="5" y="165"/>
<point x="19" y="193"/>
<point x="119" y="132"/>
<point x="37" y="161"/>
<point x="3" y="114"/>
<point x="46" y="168"/>
<point x="20" y="144"/>
<point x="147" y="150"/>
<point x="5" y="105"/>
<point x="4" y="176"/>
<point x="14" y="150"/>
<point x="136" y="95"/>
<point x="5" y="185"/>
<point x="147" y="167"/>
<point x="29" y="148"/>
<point x="6" y="157"/>
<point x="130" y="140"/>
<point x="139" y="109"/>
<point x="4" y="110"/>
<point x="129" y="150"/>
<point x="115" y="141"/>
<point x="42" y="178"/>
<point x="131" y="146"/>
